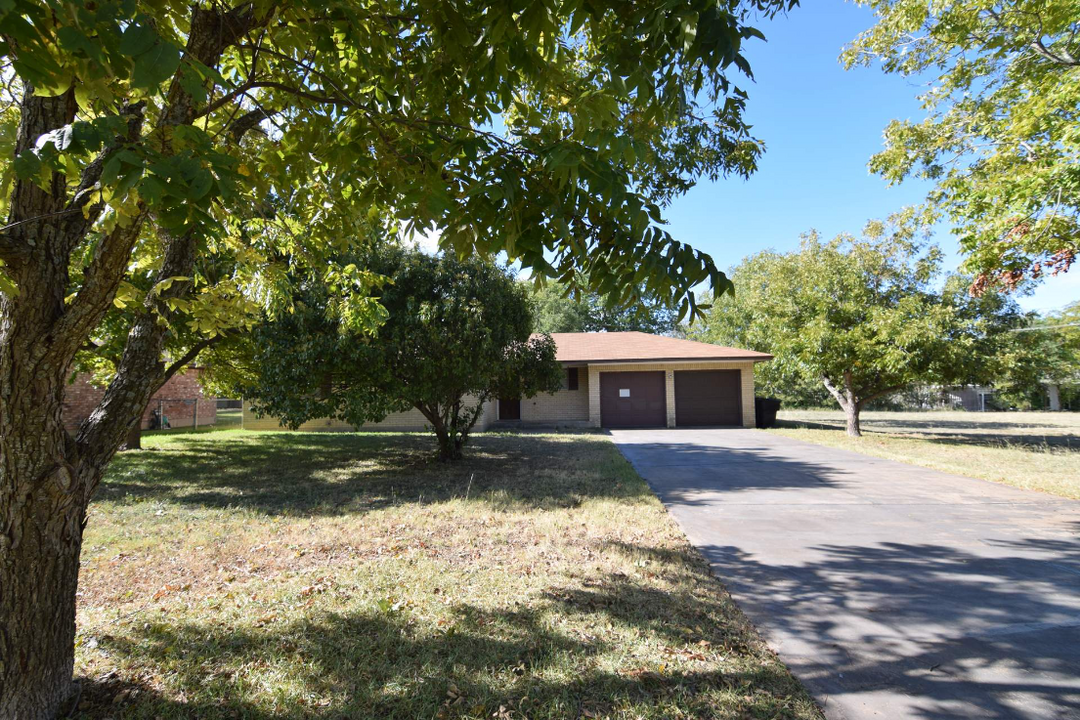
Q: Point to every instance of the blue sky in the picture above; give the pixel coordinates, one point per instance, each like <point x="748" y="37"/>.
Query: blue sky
<point x="820" y="124"/>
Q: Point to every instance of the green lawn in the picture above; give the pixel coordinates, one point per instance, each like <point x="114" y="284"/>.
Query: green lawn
<point x="1030" y="450"/>
<point x="278" y="575"/>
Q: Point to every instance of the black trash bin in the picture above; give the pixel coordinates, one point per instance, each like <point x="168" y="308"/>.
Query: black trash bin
<point x="765" y="411"/>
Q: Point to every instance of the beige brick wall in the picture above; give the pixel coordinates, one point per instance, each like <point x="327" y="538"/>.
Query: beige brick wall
<point x="490" y="414"/>
<point x="747" y="376"/>
<point x="251" y="421"/>
<point x="564" y="406"/>
<point x="407" y="421"/>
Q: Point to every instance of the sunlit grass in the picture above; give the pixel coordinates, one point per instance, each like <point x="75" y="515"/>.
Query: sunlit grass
<point x="1033" y="451"/>
<point x="283" y="575"/>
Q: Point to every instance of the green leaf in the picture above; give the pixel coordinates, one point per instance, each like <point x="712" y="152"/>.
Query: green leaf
<point x="193" y="85"/>
<point x="151" y="189"/>
<point x="74" y="40"/>
<point x="137" y="39"/>
<point x="155" y="66"/>
<point x="200" y="185"/>
<point x="27" y="164"/>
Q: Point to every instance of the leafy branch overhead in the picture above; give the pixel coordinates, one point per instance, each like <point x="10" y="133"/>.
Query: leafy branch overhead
<point x="557" y="133"/>
<point x="1001" y="141"/>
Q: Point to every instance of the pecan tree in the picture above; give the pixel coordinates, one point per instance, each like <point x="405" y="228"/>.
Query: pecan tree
<point x="181" y="159"/>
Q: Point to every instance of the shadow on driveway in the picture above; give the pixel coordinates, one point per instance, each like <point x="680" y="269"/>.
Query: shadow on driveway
<point x="891" y="590"/>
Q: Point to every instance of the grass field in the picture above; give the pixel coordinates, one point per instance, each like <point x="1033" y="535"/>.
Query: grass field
<point x="280" y="575"/>
<point x="1031" y="450"/>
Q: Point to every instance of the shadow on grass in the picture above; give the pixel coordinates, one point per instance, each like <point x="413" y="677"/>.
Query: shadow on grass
<point x="336" y="473"/>
<point x="509" y="663"/>
<point x="953" y="433"/>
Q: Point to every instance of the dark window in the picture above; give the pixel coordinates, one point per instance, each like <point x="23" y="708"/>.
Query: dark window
<point x="571" y="378"/>
<point x="509" y="409"/>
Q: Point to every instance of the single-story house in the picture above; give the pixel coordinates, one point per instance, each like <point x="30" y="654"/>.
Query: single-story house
<point x="613" y="380"/>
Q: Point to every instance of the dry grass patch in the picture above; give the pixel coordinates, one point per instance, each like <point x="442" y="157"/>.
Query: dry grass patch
<point x="274" y="575"/>
<point x="1030" y="450"/>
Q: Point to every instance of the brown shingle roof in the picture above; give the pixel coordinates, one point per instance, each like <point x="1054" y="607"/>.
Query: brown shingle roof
<point x="638" y="346"/>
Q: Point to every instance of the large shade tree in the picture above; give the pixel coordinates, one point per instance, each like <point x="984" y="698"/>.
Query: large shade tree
<point x="860" y="317"/>
<point x="196" y="145"/>
<point x="457" y="334"/>
<point x="1001" y="139"/>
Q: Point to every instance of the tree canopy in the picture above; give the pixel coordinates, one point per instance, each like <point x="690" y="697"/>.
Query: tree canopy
<point x="1001" y="140"/>
<point x="185" y="159"/>
<point x="559" y="308"/>
<point x="859" y="317"/>
<point x="457" y="334"/>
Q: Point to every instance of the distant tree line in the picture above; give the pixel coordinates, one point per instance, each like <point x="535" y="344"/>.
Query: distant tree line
<point x="560" y="308"/>
<point x="856" y="320"/>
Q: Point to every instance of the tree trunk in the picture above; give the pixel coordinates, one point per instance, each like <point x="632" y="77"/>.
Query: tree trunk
<point x="450" y="449"/>
<point x="134" y="437"/>
<point x="42" y="509"/>
<point x="38" y="581"/>
<point x="450" y="445"/>
<point x="851" y="413"/>
<point x="1054" y="395"/>
<point x="849" y="403"/>
<point x="46" y="477"/>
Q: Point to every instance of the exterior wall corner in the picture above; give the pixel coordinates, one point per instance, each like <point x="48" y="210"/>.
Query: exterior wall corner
<point x="594" y="396"/>
<point x="669" y="396"/>
<point x="747" y="377"/>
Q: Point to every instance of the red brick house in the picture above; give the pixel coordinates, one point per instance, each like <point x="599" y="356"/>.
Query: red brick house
<point x="179" y="400"/>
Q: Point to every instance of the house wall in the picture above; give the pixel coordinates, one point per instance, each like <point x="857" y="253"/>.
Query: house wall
<point x="558" y="408"/>
<point x="175" y="398"/>
<point x="407" y="421"/>
<point x="746" y="369"/>
<point x="564" y="407"/>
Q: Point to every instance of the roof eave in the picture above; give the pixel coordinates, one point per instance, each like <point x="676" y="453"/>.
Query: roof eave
<point x="624" y="361"/>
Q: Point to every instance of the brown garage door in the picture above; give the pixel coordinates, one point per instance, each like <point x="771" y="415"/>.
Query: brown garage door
<point x="708" y="397"/>
<point x="632" y="399"/>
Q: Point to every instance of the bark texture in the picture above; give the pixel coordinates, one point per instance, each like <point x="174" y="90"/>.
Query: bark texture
<point x="134" y="438"/>
<point x="853" y="399"/>
<point x="47" y="477"/>
<point x="41" y="504"/>
<point x="452" y="424"/>
<point x="851" y="405"/>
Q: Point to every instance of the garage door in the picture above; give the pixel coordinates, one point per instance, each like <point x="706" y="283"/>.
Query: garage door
<point x="708" y="397"/>
<point x="632" y="399"/>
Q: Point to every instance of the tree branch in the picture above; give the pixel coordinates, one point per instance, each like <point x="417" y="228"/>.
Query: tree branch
<point x="241" y="125"/>
<point x="880" y="393"/>
<point x="188" y="357"/>
<point x="255" y="84"/>
<point x="83" y="219"/>
<point x="1065" y="60"/>
<point x="101" y="280"/>
<point x="834" y="391"/>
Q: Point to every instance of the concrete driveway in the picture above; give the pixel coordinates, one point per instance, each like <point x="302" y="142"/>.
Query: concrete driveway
<point x="892" y="591"/>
